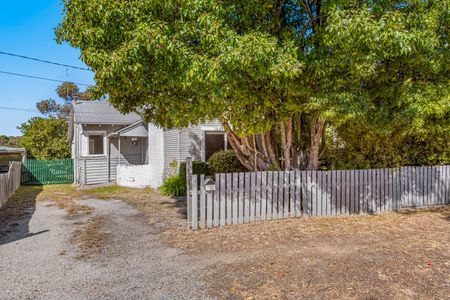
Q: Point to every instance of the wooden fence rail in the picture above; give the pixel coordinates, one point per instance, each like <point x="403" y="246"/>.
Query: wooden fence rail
<point x="9" y="182"/>
<point x="237" y="198"/>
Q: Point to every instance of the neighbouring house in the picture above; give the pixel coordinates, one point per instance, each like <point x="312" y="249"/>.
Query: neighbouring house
<point x="9" y="154"/>
<point x="108" y="146"/>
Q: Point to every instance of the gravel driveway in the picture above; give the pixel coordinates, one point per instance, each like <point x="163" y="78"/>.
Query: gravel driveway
<point x="38" y="260"/>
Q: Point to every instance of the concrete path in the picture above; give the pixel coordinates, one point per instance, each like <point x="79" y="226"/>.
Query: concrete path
<point x="37" y="260"/>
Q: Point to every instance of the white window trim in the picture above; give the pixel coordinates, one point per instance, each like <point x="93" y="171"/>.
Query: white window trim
<point x="96" y="132"/>
<point x="205" y="129"/>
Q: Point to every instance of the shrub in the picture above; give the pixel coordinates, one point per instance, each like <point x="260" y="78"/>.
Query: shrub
<point x="174" y="186"/>
<point x="225" y="162"/>
<point x="198" y="167"/>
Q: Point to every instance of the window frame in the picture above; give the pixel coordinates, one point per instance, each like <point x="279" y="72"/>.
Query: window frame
<point x="95" y="132"/>
<point x="213" y="130"/>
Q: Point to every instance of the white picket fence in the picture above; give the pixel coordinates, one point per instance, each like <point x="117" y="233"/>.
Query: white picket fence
<point x="9" y="182"/>
<point x="237" y="198"/>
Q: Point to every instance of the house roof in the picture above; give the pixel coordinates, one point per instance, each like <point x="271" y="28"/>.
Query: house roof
<point x="9" y="150"/>
<point x="96" y="112"/>
<point x="137" y="129"/>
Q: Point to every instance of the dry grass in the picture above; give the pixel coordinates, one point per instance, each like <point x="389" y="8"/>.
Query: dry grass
<point x="64" y="196"/>
<point x="21" y="205"/>
<point x="91" y="238"/>
<point x="251" y="236"/>
<point x="164" y="212"/>
<point x="23" y="202"/>
<point x="395" y="255"/>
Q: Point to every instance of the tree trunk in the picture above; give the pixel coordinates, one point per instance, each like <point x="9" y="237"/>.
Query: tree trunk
<point x="275" y="149"/>
<point x="247" y="151"/>
<point x="286" y="142"/>
<point x="317" y="129"/>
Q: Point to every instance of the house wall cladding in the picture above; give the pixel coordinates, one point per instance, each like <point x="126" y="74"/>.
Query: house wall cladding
<point x="186" y="142"/>
<point x="133" y="154"/>
<point x="258" y="196"/>
<point x="94" y="170"/>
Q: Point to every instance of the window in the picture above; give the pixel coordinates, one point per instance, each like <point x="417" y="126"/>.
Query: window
<point x="214" y="142"/>
<point x="96" y="144"/>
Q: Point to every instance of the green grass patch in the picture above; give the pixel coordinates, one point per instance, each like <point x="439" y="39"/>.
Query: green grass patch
<point x="114" y="191"/>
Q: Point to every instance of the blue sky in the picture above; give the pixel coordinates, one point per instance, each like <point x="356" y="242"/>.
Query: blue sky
<point x="27" y="28"/>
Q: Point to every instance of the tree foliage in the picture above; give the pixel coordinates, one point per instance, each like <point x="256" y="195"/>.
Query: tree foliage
<point x="358" y="145"/>
<point x="276" y="73"/>
<point x="68" y="92"/>
<point x="9" y="141"/>
<point x="45" y="138"/>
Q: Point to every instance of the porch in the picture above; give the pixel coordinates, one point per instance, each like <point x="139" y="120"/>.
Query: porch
<point x="124" y="147"/>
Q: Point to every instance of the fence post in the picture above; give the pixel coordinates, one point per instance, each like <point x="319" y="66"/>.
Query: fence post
<point x="189" y="189"/>
<point x="194" y="201"/>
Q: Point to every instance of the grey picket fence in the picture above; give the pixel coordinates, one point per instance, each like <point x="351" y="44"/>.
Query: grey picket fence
<point x="236" y="198"/>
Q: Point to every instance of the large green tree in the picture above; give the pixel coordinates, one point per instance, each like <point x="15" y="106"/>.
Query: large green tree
<point x="276" y="73"/>
<point x="45" y="138"/>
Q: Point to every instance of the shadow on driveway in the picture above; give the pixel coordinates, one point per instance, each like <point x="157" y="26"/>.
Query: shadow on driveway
<point x="16" y="214"/>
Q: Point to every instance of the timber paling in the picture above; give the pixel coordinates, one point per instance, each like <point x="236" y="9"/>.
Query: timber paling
<point x="9" y="182"/>
<point x="236" y="198"/>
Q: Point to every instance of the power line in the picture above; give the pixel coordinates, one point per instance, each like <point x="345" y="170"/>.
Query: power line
<point x="18" y="109"/>
<point x="44" y="61"/>
<point x="41" y="78"/>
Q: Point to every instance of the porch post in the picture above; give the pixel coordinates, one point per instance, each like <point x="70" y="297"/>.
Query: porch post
<point x="120" y="153"/>
<point x="108" y="160"/>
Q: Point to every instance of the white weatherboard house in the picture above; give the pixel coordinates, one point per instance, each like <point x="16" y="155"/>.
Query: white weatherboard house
<point x="108" y="146"/>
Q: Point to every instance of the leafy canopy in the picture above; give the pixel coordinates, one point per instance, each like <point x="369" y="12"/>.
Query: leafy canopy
<point x="69" y="92"/>
<point x="45" y="138"/>
<point x="254" y="63"/>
